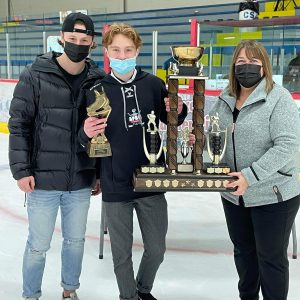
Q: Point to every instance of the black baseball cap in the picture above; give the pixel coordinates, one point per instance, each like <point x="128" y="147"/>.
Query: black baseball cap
<point x="70" y="20"/>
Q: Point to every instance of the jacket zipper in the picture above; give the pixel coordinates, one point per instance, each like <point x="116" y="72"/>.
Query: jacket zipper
<point x="73" y="132"/>
<point x="72" y="145"/>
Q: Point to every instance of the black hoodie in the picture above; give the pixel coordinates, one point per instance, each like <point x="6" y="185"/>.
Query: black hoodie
<point x="130" y="103"/>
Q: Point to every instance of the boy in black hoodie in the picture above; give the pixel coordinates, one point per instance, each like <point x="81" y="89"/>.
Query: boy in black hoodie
<point x="133" y="94"/>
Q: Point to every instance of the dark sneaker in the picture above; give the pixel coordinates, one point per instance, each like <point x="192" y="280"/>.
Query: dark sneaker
<point x="145" y="296"/>
<point x="73" y="296"/>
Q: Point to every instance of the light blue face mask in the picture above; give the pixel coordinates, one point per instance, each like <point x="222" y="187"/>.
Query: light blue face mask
<point x="122" y="66"/>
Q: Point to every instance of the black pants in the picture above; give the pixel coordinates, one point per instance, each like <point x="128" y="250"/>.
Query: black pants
<point x="260" y="236"/>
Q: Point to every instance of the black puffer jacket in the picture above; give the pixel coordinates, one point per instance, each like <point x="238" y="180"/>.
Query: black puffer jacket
<point x="44" y="121"/>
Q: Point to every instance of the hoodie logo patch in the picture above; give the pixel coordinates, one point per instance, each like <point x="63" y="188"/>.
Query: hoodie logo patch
<point x="129" y="92"/>
<point x="134" y="119"/>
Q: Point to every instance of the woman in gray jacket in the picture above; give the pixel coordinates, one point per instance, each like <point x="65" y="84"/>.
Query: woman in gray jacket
<point x="264" y="138"/>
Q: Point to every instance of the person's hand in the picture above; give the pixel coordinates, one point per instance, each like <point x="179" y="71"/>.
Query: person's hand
<point x="93" y="126"/>
<point x="192" y="139"/>
<point x="26" y="184"/>
<point x="97" y="188"/>
<point x="240" y="184"/>
<point x="179" y="107"/>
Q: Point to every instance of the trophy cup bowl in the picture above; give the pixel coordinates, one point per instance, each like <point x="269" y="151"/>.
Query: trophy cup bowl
<point x="187" y="55"/>
<point x="187" y="61"/>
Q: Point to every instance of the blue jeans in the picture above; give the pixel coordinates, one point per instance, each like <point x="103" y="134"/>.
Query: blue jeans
<point x="42" y="208"/>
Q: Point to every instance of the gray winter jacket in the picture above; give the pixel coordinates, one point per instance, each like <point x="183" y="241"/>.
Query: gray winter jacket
<point x="262" y="144"/>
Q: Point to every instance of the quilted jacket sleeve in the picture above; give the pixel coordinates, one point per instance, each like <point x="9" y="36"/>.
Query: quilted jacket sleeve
<point x="21" y="126"/>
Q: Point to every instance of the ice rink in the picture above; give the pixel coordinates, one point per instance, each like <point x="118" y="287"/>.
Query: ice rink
<point x="198" y="263"/>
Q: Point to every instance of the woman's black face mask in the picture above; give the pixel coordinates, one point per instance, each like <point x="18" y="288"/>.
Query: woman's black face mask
<point x="76" y="53"/>
<point x="248" y="75"/>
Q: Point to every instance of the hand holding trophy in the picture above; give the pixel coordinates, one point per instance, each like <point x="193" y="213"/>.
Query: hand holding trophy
<point x="100" y="108"/>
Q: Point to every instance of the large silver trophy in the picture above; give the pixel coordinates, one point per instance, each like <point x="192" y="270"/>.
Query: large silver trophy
<point x="216" y="147"/>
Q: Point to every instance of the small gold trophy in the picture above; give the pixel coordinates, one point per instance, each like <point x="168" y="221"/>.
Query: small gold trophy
<point x="153" y="154"/>
<point x="100" y="108"/>
<point x="216" y="146"/>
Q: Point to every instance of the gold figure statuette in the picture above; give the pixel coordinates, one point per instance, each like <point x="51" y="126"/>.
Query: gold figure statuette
<point x="100" y="108"/>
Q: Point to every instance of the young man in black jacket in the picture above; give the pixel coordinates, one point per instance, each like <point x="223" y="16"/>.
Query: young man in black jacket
<point x="46" y="157"/>
<point x="133" y="94"/>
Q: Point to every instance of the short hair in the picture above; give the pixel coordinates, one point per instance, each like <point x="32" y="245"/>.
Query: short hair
<point x="121" y="28"/>
<point x="252" y="49"/>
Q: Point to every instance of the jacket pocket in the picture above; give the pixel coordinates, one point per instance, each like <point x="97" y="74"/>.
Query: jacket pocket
<point x="277" y="193"/>
<point x="284" y="174"/>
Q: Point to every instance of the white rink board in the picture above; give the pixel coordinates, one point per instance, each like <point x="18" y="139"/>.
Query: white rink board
<point x="6" y="92"/>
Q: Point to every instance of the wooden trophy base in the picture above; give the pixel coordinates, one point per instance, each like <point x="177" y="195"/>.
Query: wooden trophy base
<point x="98" y="150"/>
<point x="180" y="182"/>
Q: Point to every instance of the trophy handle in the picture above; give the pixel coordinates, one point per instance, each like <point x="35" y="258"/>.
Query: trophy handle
<point x="201" y="66"/>
<point x="211" y="156"/>
<point x="225" y="145"/>
<point x="160" y="150"/>
<point x="145" y="145"/>
<point x="173" y="54"/>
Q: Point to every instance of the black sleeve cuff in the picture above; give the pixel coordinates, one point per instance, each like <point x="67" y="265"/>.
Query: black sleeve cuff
<point x="83" y="138"/>
<point x="182" y="115"/>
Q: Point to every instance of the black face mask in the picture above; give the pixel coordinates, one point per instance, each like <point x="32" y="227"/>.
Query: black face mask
<point x="248" y="75"/>
<point x="76" y="53"/>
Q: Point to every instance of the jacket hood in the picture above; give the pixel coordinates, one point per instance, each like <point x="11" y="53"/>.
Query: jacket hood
<point x="45" y="63"/>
